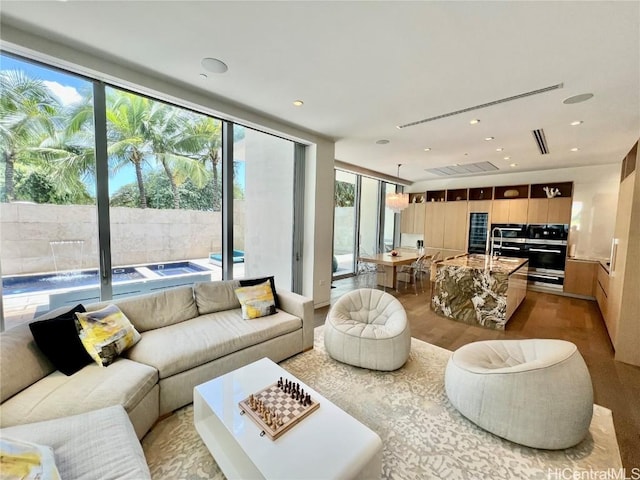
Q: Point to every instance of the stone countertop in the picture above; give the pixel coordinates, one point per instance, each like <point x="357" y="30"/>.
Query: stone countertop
<point x="505" y="265"/>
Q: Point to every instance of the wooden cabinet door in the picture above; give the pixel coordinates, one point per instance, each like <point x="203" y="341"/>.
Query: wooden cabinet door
<point x="407" y="219"/>
<point x="455" y="225"/>
<point x="480" y="206"/>
<point x="559" y="210"/>
<point x="500" y="211"/>
<point x="418" y="218"/>
<point x="518" y="210"/>
<point x="434" y="225"/>
<point x="580" y="277"/>
<point x="538" y="210"/>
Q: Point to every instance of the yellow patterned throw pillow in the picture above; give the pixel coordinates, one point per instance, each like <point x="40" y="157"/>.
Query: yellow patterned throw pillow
<point x="106" y="333"/>
<point x="26" y="461"/>
<point x="256" y="301"/>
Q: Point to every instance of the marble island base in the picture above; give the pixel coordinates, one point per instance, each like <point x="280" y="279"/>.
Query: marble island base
<point x="477" y="290"/>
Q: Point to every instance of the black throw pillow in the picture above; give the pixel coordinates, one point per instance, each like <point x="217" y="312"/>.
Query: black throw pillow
<point x="250" y="282"/>
<point x="58" y="339"/>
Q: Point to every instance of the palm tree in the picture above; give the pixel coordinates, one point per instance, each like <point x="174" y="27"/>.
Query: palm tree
<point x="27" y="117"/>
<point x="202" y="136"/>
<point x="166" y="133"/>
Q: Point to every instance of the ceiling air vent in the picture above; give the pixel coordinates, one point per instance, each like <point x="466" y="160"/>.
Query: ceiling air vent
<point x="484" y="105"/>
<point x="541" y="141"/>
<point x="460" y="169"/>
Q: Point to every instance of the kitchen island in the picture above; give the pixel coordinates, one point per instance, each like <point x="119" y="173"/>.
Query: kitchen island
<point x="479" y="290"/>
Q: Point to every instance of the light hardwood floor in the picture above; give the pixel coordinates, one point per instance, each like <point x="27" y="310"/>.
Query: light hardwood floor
<point x="616" y="385"/>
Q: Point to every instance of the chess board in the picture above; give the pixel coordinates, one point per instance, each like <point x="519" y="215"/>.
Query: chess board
<point x="288" y="409"/>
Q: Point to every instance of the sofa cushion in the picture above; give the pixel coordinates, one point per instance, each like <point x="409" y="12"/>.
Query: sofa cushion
<point x="249" y="282"/>
<point x="27" y="460"/>
<point x="21" y="361"/>
<point x="256" y="301"/>
<point x="106" y="333"/>
<point x="122" y="383"/>
<point x="155" y="310"/>
<point x="214" y="297"/>
<point x="58" y="339"/>
<point x="195" y="342"/>
<point x="97" y="445"/>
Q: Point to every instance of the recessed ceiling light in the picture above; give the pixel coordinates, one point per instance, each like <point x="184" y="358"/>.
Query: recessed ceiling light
<point x="214" y="65"/>
<point x="203" y="75"/>
<point x="499" y="149"/>
<point x="489" y="138"/>
<point x="382" y="142"/>
<point x="583" y="97"/>
<point x="577" y="122"/>
<point x="513" y="164"/>
<point x="298" y="103"/>
<point x="428" y="149"/>
<point x="507" y="158"/>
<point x="575" y="149"/>
<point x="474" y="121"/>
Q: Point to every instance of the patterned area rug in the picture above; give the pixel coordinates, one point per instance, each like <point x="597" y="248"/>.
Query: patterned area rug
<point x="424" y="437"/>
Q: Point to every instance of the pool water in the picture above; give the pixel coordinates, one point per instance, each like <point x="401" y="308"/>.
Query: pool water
<point x="41" y="283"/>
<point x="180" y="268"/>
<point x="238" y="256"/>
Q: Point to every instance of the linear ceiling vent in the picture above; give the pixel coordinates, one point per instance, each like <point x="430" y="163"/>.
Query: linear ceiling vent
<point x="541" y="141"/>
<point x="484" y="105"/>
<point x="460" y="169"/>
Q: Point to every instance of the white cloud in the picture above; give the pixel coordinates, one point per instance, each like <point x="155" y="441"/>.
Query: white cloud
<point x="66" y="95"/>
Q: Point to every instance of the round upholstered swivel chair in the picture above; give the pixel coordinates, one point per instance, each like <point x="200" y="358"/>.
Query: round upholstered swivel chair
<point x="533" y="392"/>
<point x="368" y="328"/>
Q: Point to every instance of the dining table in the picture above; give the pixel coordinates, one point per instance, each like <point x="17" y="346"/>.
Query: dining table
<point x="390" y="264"/>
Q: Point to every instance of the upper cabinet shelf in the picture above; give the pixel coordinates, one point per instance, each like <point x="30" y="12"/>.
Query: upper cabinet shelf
<point x="539" y="190"/>
<point x="511" y="192"/>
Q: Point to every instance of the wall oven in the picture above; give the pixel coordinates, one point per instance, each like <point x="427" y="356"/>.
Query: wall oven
<point x="546" y="249"/>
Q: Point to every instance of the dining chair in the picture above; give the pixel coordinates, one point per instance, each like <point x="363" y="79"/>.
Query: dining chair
<point x="413" y="272"/>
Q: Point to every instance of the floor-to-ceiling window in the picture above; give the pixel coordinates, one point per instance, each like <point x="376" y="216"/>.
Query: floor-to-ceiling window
<point x="142" y="214"/>
<point x="263" y="181"/>
<point x="344" y="223"/>
<point x="360" y="214"/>
<point x="48" y="232"/>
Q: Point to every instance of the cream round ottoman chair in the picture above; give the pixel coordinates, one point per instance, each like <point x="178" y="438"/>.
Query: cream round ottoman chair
<point x="535" y="392"/>
<point x="368" y="328"/>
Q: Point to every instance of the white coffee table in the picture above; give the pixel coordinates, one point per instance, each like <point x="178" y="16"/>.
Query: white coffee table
<point x="327" y="444"/>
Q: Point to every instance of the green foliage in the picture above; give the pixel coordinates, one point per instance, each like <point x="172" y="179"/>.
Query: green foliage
<point x="345" y="194"/>
<point x="160" y="195"/>
<point x="38" y="187"/>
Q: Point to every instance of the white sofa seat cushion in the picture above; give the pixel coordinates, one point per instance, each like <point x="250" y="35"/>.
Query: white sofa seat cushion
<point x="192" y="343"/>
<point x="97" y="445"/>
<point x="57" y="395"/>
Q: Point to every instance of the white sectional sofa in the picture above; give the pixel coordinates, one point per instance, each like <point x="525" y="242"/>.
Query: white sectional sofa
<point x="189" y="335"/>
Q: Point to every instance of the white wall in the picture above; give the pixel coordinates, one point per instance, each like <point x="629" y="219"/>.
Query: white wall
<point x="595" y="198"/>
<point x="318" y="226"/>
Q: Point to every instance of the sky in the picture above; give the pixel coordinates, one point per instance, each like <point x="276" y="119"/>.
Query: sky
<point x="66" y="88"/>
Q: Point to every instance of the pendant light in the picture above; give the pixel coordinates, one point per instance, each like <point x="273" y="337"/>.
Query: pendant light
<point x="397" y="201"/>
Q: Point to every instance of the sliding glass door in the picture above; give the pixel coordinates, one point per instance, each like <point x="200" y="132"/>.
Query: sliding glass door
<point x="344" y="224"/>
<point x="48" y="230"/>
<point x="106" y="193"/>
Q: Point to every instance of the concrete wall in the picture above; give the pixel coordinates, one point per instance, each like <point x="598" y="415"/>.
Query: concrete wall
<point x="37" y="238"/>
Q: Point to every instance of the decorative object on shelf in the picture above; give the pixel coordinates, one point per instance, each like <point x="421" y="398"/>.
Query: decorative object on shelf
<point x="551" y="192"/>
<point x="397" y="201"/>
<point x="511" y="193"/>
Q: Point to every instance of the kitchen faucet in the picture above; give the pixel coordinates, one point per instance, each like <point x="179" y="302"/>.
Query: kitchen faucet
<point x="492" y="254"/>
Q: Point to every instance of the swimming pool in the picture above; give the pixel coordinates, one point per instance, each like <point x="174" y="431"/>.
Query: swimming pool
<point x="216" y="258"/>
<point x="19" y="284"/>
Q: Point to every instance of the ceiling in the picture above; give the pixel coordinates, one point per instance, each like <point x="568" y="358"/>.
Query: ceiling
<point x="363" y="68"/>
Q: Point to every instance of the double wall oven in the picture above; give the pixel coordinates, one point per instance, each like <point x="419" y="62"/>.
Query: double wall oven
<point x="545" y="245"/>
